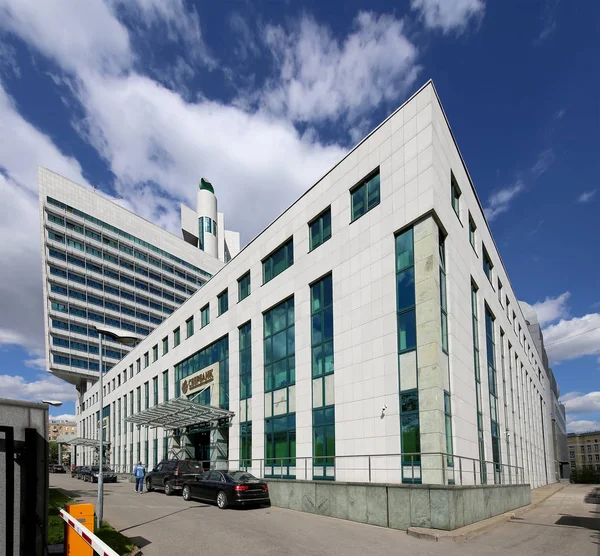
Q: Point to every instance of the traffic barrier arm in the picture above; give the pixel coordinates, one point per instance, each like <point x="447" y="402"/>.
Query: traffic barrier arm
<point x="97" y="545"/>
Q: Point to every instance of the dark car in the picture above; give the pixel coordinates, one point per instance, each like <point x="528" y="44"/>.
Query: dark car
<point x="83" y="471"/>
<point x="227" y="488"/>
<point x="75" y="470"/>
<point x="169" y="475"/>
<point x="57" y="469"/>
<point x="109" y="476"/>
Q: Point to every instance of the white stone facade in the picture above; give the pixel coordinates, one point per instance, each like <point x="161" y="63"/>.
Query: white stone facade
<point x="415" y="152"/>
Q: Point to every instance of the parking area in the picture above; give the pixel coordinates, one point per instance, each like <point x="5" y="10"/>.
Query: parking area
<point x="169" y="525"/>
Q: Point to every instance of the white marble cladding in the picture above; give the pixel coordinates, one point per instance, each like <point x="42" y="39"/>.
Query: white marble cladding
<point x="415" y="152"/>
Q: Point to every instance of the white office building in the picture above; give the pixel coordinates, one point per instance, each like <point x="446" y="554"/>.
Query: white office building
<point x="103" y="265"/>
<point x="369" y="333"/>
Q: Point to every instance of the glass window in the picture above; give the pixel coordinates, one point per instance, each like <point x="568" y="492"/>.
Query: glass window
<point x="443" y="296"/>
<point x="223" y="302"/>
<point x="245" y="346"/>
<point x="319" y="229"/>
<point x="278" y="261"/>
<point x="176" y="337"/>
<point x="244" y="286"/>
<point x="146" y="359"/>
<point x="189" y="326"/>
<point x="365" y="196"/>
<point x="154" y="353"/>
<point x="455" y="194"/>
<point x="321" y="294"/>
<point x="472" y="230"/>
<point x="487" y="264"/>
<point x="165" y="386"/>
<point x="204" y="315"/>
<point x="279" y="346"/>
<point x="405" y="292"/>
<point x="165" y="345"/>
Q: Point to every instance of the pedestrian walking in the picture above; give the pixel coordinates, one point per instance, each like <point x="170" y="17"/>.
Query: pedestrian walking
<point x="139" y="472"/>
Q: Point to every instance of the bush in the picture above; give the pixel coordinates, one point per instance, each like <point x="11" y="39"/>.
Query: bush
<point x="586" y="475"/>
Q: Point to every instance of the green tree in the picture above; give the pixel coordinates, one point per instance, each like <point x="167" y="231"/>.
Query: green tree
<point x="53" y="452"/>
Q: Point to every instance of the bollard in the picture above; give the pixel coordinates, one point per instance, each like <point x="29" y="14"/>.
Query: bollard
<point x="74" y="544"/>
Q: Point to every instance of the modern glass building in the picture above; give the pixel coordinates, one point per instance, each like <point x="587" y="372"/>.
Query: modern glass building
<point x="103" y="265"/>
<point x="369" y="333"/>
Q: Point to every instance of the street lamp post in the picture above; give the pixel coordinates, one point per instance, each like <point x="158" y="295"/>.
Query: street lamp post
<point x="127" y="339"/>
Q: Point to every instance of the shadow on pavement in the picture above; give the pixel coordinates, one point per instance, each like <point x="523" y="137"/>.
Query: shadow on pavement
<point x="592" y="523"/>
<point x="140" y="542"/>
<point x="162" y="517"/>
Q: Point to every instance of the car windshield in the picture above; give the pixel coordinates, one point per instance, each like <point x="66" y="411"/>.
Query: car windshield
<point x="242" y="476"/>
<point x="105" y="469"/>
<point x="191" y="467"/>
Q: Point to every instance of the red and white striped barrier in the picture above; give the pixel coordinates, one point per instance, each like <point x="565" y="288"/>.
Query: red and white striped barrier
<point x="97" y="545"/>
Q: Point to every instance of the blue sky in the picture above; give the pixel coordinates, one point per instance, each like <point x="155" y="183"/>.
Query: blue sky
<point x="141" y="98"/>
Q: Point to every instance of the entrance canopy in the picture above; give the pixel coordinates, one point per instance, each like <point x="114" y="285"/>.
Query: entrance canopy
<point x="92" y="442"/>
<point x="179" y="413"/>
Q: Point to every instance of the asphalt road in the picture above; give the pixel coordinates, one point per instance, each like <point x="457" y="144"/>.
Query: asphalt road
<point x="563" y="524"/>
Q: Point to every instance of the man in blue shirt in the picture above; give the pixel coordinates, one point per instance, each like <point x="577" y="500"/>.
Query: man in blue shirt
<point x="139" y="472"/>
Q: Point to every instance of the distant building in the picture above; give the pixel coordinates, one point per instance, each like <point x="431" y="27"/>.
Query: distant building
<point x="58" y="428"/>
<point x="103" y="265"/>
<point x="584" y="450"/>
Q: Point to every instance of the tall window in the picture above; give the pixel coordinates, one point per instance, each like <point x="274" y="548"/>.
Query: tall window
<point x="405" y="292"/>
<point x="155" y="389"/>
<point x="279" y="346"/>
<point x="472" y="232"/>
<point x="321" y="296"/>
<point x="365" y="196"/>
<point x="245" y="338"/>
<point x="455" y="194"/>
<point x="176" y="337"/>
<point x="154" y="353"/>
<point x="443" y="297"/>
<point x="165" y="345"/>
<point x="280" y="377"/>
<point x="476" y="367"/>
<point x="189" y="326"/>
<point x="319" y="229"/>
<point x="146" y="395"/>
<point x="244" y="286"/>
<point x="204" y="315"/>
<point x="278" y="261"/>
<point x="245" y="345"/>
<point x="138" y="366"/>
<point x="493" y="386"/>
<point x="223" y="302"/>
<point x="448" y="421"/>
<point x="146" y="359"/>
<point x="139" y="398"/>
<point x="165" y="376"/>
<point x="487" y="264"/>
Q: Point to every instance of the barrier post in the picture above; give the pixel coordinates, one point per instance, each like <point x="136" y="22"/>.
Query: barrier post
<point x="74" y="543"/>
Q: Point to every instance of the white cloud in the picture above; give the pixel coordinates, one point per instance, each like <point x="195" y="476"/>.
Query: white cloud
<point x="448" y="15"/>
<point x="245" y="45"/>
<point x="579" y="426"/>
<point x="574" y="338"/>
<point x="500" y="200"/>
<point x="575" y="402"/>
<point x="22" y="148"/>
<point x="322" y="78"/>
<point x="552" y="308"/>
<point x="587" y="196"/>
<point x="46" y="387"/>
<point x="78" y="35"/>
<point x="543" y="162"/>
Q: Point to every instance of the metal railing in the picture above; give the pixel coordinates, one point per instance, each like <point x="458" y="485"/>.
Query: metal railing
<point x="422" y="467"/>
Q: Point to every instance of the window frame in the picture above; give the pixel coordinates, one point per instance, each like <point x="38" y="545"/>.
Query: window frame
<point x="223" y="306"/>
<point x="319" y="219"/>
<point x="455" y="188"/>
<point x="240" y="281"/>
<point x="288" y="246"/>
<point x="187" y="327"/>
<point x="365" y="183"/>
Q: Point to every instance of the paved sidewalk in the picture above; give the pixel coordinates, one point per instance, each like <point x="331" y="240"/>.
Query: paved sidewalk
<point x="563" y="524"/>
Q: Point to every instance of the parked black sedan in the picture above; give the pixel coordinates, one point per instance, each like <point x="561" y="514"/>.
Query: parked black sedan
<point x="56" y="468"/>
<point x="227" y="488"/>
<point x="108" y="476"/>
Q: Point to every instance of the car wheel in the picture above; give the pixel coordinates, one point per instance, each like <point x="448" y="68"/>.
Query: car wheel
<point x="149" y="485"/>
<point x="222" y="500"/>
<point x="187" y="495"/>
<point x="168" y="489"/>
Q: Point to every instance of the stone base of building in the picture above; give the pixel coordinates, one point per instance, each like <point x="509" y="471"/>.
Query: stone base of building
<point x="400" y="506"/>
